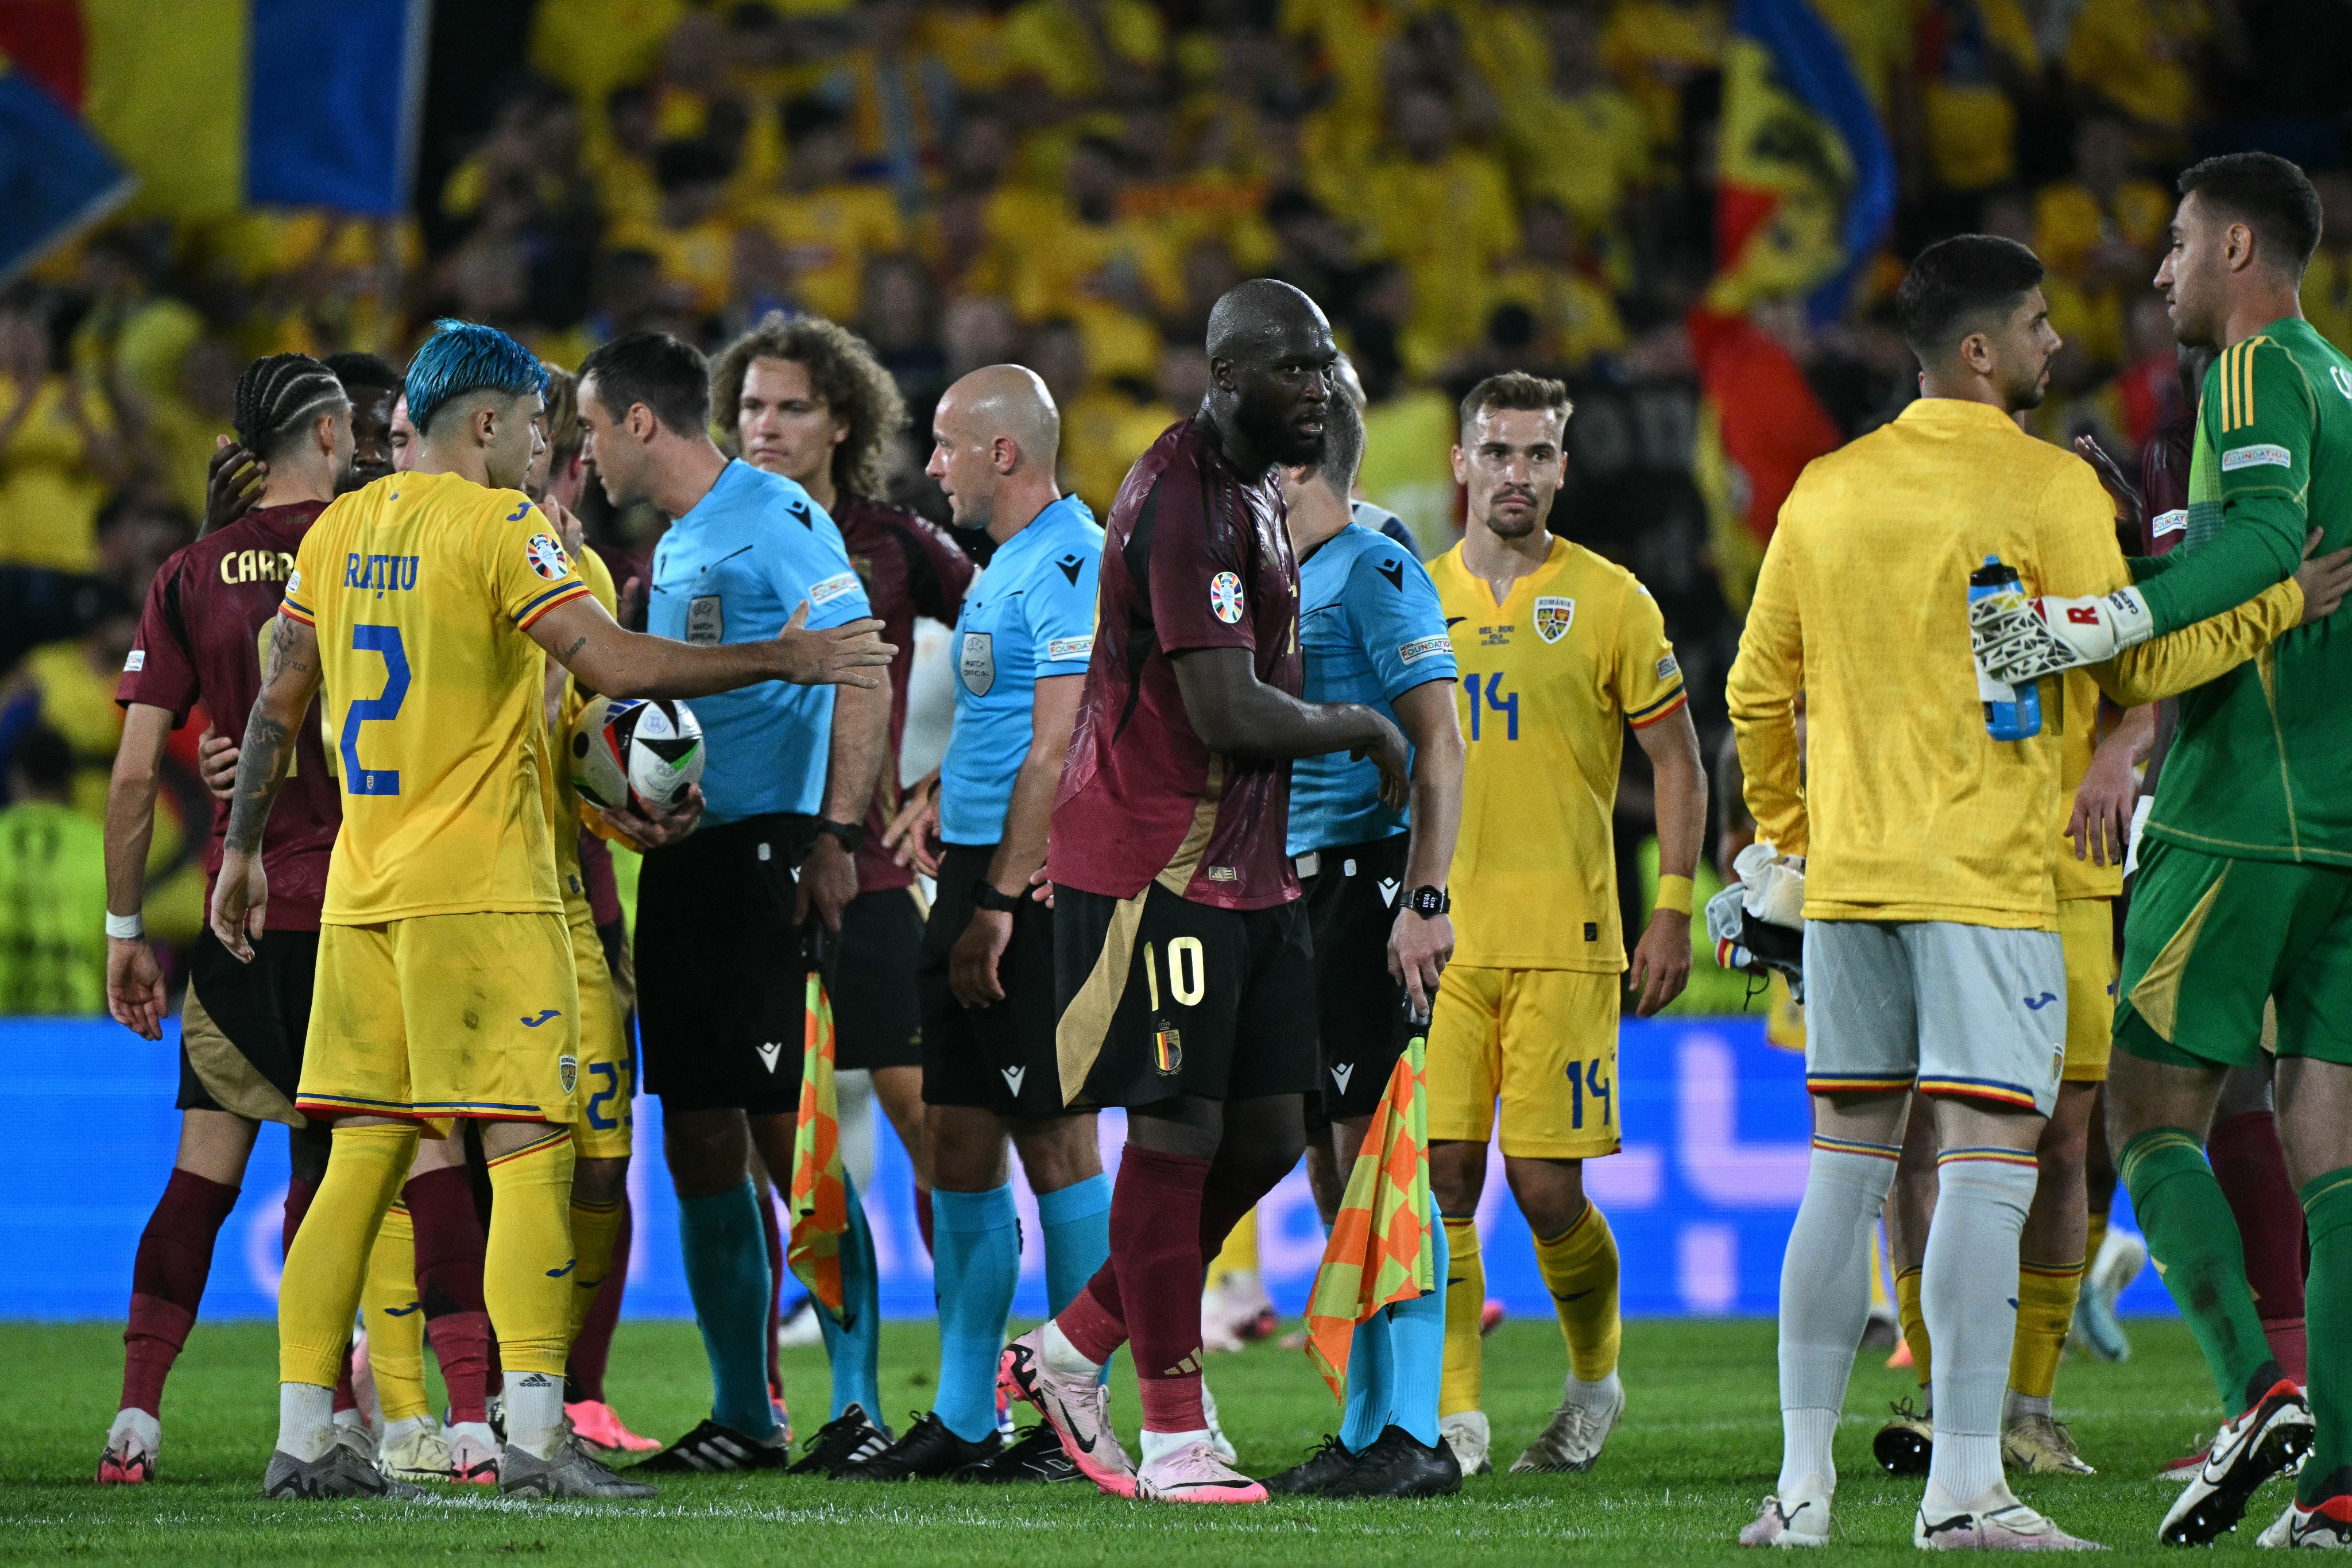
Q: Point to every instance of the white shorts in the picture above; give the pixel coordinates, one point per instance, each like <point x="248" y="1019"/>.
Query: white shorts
<point x="1974" y="1012"/>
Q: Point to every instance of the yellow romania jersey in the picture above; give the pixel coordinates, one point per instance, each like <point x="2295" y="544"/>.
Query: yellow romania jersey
<point x="422" y="587"/>
<point x="1550" y="678"/>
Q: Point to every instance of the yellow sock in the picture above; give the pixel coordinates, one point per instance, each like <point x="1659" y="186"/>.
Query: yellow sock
<point x="595" y="1228"/>
<point x="1239" y="1254"/>
<point x="319" y="1291"/>
<point x="1466" y="1303"/>
<point x="527" y="1264"/>
<point x="2045" y="1311"/>
<point x="1907" y="1312"/>
<point x="1580" y="1266"/>
<point x="396" y="1328"/>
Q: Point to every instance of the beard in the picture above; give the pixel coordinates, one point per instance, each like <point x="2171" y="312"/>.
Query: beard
<point x="1267" y="427"/>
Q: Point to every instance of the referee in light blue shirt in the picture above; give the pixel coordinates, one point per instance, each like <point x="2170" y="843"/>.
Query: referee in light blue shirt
<point x="985" y="975"/>
<point x="1372" y="632"/>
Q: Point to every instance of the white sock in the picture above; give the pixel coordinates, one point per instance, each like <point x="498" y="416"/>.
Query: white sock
<point x="1159" y="1445"/>
<point x="482" y="1433"/>
<point x="406" y="1426"/>
<point x="306" y="1420"/>
<point x="534" y="1413"/>
<point x="1063" y="1357"/>
<point x="1825" y="1299"/>
<point x="1597" y="1396"/>
<point x="2017" y="1406"/>
<point x="1966" y="1294"/>
<point x="352" y="1420"/>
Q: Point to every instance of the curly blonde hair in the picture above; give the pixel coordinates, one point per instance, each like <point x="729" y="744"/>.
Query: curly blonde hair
<point x="841" y="370"/>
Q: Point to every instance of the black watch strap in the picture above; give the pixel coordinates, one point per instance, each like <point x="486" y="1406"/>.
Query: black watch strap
<point x="1429" y="903"/>
<point x="850" y="836"/>
<point x="985" y="896"/>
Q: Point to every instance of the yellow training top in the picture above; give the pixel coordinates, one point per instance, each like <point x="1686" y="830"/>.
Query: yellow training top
<point x="1550" y="678"/>
<point x="422" y="586"/>
<point x="1906" y="808"/>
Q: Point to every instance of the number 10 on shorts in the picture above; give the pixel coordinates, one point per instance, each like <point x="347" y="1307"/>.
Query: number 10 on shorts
<point x="1188" y="982"/>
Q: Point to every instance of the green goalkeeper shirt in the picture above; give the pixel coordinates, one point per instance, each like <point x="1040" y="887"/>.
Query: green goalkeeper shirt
<point x="2261" y="766"/>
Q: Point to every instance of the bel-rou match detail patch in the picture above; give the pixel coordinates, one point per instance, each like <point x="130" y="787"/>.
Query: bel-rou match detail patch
<point x="1225" y="597"/>
<point x="832" y="587"/>
<point x="1426" y="647"/>
<point x="2263" y="456"/>
<point x="545" y="553"/>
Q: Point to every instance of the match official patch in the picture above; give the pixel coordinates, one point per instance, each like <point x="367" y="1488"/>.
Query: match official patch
<point x="1059" y="649"/>
<point x="2263" y="456"/>
<point x="1225" y="597"/>
<point x="1415" y="652"/>
<point x="832" y="587"/>
<point x="2172" y="522"/>
<point x="545" y="553"/>
<point x="135" y="663"/>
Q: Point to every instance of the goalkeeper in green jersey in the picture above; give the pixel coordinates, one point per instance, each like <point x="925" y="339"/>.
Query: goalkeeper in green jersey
<point x="2245" y="891"/>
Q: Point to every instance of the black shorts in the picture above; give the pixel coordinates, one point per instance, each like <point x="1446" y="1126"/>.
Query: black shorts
<point x="242" y="1025"/>
<point x="1362" y="1019"/>
<point x="1160" y="996"/>
<point x="998" y="1058"/>
<point x="721" y="970"/>
<point x="875" y="1020"/>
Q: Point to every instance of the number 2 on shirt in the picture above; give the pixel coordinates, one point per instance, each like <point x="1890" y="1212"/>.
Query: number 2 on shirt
<point x="383" y="640"/>
<point x="1495" y="701"/>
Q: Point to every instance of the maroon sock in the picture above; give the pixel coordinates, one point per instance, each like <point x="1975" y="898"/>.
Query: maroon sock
<point x="449" y="1248"/>
<point x="923" y="1217"/>
<point x="1155" y="1228"/>
<point x="2251" y="1168"/>
<point x="1095" y="1323"/>
<point x="167" y="1282"/>
<point x="299" y="1194"/>
<point x="592" y="1346"/>
<point x="776" y="1277"/>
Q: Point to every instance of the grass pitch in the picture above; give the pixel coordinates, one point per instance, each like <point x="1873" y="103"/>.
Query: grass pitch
<point x="1698" y="1447"/>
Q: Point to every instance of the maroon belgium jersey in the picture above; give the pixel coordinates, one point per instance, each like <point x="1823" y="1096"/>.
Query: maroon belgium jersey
<point x="201" y="639"/>
<point x="1196" y="555"/>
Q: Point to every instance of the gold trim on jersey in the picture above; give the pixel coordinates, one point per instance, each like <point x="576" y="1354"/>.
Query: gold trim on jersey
<point x="1185" y="864"/>
<point x="2157" y="997"/>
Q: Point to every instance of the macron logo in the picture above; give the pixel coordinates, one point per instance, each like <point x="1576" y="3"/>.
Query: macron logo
<point x="1341" y="1074"/>
<point x="1388" y="885"/>
<point x="1012" y="1077"/>
<point x="2043" y="1001"/>
<point x="770" y="1053"/>
<point x="544" y="1014"/>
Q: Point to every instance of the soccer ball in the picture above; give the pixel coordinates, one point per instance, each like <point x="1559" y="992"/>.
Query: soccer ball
<point x="635" y="753"/>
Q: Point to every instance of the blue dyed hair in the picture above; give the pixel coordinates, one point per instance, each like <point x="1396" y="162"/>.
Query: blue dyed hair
<point x="463" y="357"/>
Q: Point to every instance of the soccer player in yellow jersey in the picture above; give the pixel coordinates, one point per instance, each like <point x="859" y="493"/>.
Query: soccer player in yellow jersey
<point x="1932" y="957"/>
<point x="446" y="983"/>
<point x="1559" y="651"/>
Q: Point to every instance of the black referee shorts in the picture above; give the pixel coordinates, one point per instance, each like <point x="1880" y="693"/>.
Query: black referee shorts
<point x="721" y="969"/>
<point x="876" y="1021"/>
<point x="1362" y="1022"/>
<point x="998" y="1058"/>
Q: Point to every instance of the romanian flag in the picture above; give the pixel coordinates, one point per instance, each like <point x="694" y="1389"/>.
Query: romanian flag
<point x="1804" y="192"/>
<point x="217" y="105"/>
<point x="55" y="179"/>
<point x="820" y="1195"/>
<point x="1380" y="1251"/>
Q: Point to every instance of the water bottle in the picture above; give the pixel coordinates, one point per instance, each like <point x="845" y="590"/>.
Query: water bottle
<point x="2009" y="713"/>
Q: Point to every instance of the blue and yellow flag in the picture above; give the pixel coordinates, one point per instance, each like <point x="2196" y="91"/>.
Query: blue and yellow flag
<point x="55" y="179"/>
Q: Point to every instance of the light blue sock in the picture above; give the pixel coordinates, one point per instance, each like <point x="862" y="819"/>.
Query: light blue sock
<point x="727" y="1274"/>
<point x="1076" y="1223"/>
<point x="976" y="1238"/>
<point x="1417" y="1349"/>
<point x="855" y="1348"/>
<point x="1371" y="1381"/>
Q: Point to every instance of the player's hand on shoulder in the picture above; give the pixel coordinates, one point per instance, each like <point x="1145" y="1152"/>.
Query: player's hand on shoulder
<point x="233" y="482"/>
<point x="1419" y="949"/>
<point x="654" y="827"/>
<point x="568" y="527"/>
<point x="2125" y="493"/>
<point x="134" y="987"/>
<point x="837" y="656"/>
<point x="217" y="756"/>
<point x="2324" y="578"/>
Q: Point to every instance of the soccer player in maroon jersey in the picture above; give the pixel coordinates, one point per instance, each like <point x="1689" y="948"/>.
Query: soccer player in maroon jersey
<point x="201" y="639"/>
<point x="1185" y="986"/>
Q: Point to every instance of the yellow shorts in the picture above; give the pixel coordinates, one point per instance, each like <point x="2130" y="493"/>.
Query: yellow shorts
<point x="608" y="1073"/>
<point x="2086" y="928"/>
<point x="445" y="1016"/>
<point x="1544" y="1042"/>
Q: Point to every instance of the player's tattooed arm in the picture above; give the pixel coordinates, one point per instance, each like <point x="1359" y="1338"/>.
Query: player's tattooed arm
<point x="1235" y="713"/>
<point x="579" y="635"/>
<point x="288" y="683"/>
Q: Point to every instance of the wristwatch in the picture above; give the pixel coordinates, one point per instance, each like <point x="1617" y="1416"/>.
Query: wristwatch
<point x="1429" y="903"/>
<point x="850" y="836"/>
<point x="985" y="896"/>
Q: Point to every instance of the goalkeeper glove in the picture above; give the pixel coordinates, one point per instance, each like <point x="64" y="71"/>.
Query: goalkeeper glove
<point x="2016" y="642"/>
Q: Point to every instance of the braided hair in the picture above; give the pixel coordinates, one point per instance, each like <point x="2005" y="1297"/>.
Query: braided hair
<point x="276" y="399"/>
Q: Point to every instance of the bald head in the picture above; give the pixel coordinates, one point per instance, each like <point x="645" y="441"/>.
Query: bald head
<point x="994" y="442"/>
<point x="1252" y="322"/>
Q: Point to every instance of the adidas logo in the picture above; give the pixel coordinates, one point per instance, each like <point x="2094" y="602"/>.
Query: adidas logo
<point x="770" y="1053"/>
<point x="1188" y="1367"/>
<point x="1012" y="1077"/>
<point x="1341" y="1074"/>
<point x="1388" y="887"/>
